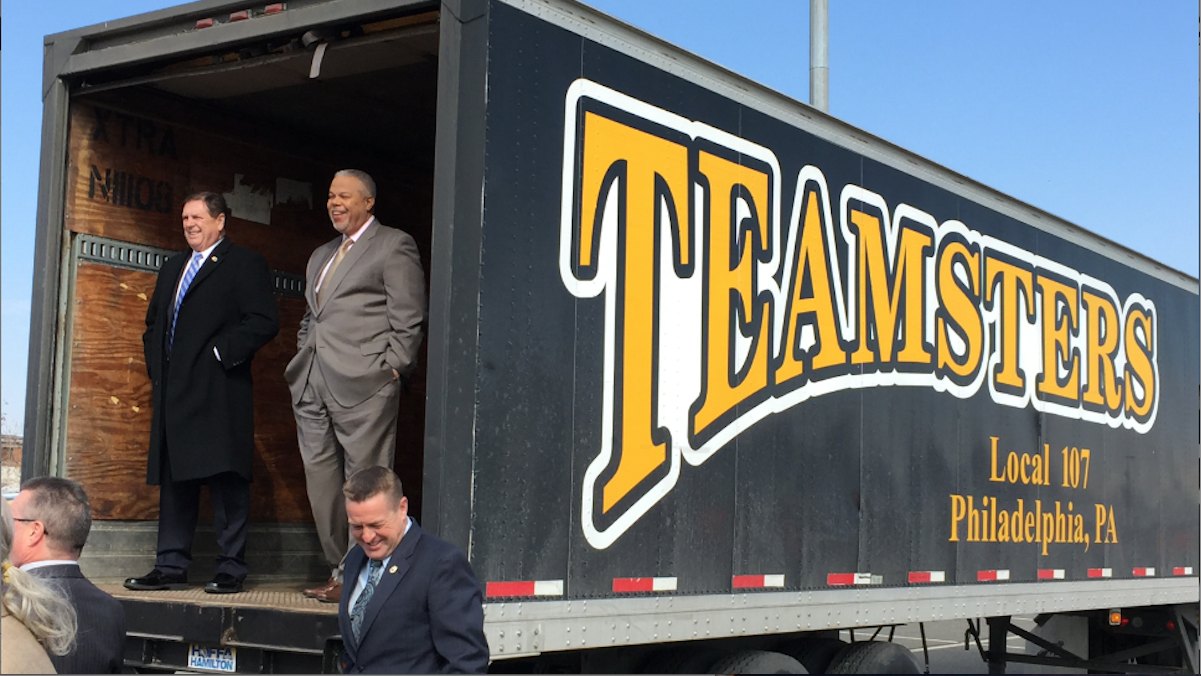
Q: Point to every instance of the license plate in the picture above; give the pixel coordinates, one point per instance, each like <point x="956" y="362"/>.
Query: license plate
<point x="212" y="658"/>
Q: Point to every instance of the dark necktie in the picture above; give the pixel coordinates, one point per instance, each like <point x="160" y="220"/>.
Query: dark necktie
<point x="374" y="569"/>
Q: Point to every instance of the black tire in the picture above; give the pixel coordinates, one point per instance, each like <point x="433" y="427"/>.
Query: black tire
<point x="814" y="652"/>
<point x="756" y="662"/>
<point x="874" y="657"/>
<point x="689" y="660"/>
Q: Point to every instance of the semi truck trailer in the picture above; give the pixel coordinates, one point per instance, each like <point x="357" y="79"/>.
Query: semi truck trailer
<point x="709" y="375"/>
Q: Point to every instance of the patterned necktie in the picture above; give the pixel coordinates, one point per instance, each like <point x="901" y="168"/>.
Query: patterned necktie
<point x="329" y="274"/>
<point x="193" y="268"/>
<point x="374" y="569"/>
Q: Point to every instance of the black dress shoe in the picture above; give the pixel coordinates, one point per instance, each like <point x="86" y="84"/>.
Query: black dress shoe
<point x="156" y="580"/>
<point x="224" y="583"/>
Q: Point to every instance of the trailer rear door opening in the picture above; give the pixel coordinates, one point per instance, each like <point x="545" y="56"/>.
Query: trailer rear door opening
<point x="267" y="124"/>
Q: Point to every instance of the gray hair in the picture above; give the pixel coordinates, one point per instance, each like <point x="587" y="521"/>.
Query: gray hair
<point x="364" y="178"/>
<point x="48" y="615"/>
<point x="63" y="507"/>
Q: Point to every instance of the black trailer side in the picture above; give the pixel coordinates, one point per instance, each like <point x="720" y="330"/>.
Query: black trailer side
<point x="869" y="448"/>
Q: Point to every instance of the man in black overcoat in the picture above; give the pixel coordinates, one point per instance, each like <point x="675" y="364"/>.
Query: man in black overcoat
<point x="213" y="308"/>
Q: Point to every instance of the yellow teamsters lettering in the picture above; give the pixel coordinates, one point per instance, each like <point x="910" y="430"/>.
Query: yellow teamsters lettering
<point x="719" y="310"/>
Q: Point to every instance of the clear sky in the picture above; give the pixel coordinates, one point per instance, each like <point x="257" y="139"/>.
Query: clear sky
<point x="1087" y="109"/>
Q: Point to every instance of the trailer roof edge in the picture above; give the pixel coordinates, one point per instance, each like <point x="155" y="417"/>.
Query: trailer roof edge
<point x="637" y="43"/>
<point x="172" y="31"/>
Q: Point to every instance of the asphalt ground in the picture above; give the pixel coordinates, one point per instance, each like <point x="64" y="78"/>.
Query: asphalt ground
<point x="945" y="644"/>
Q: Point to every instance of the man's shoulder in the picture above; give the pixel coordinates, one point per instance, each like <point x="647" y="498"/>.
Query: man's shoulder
<point x="387" y="233"/>
<point x="233" y="251"/>
<point x="435" y="547"/>
<point x="72" y="576"/>
<point x="95" y="592"/>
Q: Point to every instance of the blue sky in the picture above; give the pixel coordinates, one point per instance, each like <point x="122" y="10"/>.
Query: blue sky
<point x="1087" y="109"/>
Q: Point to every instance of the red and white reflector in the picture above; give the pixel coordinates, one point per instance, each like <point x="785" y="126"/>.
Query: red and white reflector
<point x="274" y="8"/>
<point x="1050" y="573"/>
<point x="524" y="588"/>
<point x="992" y="575"/>
<point x="846" y="579"/>
<point x="925" y="576"/>
<point x="758" y="581"/>
<point x="644" y="584"/>
<point x="204" y="23"/>
<point x="1185" y="570"/>
<point x="1144" y="572"/>
<point x="1100" y="572"/>
<point x="239" y="16"/>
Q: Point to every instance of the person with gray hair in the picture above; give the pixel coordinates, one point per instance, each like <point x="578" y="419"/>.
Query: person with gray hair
<point x="56" y="518"/>
<point x="34" y="619"/>
<point x="356" y="347"/>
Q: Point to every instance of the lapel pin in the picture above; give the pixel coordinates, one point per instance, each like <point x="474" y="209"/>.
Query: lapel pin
<point x="393" y="569"/>
<point x="214" y="259"/>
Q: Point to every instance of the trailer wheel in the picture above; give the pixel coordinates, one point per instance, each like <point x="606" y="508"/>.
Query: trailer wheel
<point x="814" y="652"/>
<point x="756" y="662"/>
<point x="874" y="657"/>
<point x="681" y="660"/>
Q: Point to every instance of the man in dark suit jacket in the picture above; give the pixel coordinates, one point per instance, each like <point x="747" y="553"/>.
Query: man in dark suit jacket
<point x="357" y="343"/>
<point x="52" y="518"/>
<point x="413" y="604"/>
<point x="213" y="308"/>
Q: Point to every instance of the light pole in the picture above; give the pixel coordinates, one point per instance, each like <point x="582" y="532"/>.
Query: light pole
<point x="819" y="55"/>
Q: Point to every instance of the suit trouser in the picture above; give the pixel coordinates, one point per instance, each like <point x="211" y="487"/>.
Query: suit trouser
<point x="179" y="510"/>
<point x="335" y="442"/>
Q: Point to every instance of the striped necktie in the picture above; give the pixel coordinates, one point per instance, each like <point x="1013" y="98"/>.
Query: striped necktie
<point x="193" y="268"/>
<point x="374" y="570"/>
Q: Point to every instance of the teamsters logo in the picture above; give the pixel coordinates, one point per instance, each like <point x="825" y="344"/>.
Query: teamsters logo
<point x="719" y="314"/>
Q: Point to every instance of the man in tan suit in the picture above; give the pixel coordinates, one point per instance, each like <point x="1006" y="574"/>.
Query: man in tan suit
<point x="356" y="344"/>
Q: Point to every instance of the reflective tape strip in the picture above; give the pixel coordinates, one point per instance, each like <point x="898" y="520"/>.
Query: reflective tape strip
<point x="922" y="576"/>
<point x="524" y="588"/>
<point x="757" y="581"/>
<point x="664" y="584"/>
<point x="1100" y="572"/>
<point x="844" y="579"/>
<point x="992" y="576"/>
<point x="1144" y="572"/>
<point x="1186" y="570"/>
<point x="644" y="584"/>
<point x="1050" y="573"/>
<point x="548" y="588"/>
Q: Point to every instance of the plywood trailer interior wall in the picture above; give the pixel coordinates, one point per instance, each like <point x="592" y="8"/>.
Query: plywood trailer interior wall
<point x="267" y="126"/>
